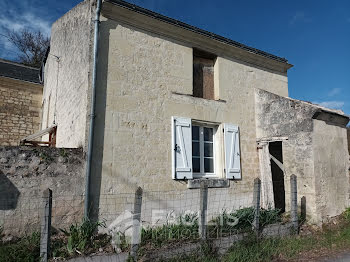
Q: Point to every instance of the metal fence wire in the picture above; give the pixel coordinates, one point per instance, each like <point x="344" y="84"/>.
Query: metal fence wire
<point x="146" y="225"/>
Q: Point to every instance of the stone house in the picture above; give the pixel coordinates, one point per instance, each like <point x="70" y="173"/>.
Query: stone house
<point x="20" y="103"/>
<point x="176" y="104"/>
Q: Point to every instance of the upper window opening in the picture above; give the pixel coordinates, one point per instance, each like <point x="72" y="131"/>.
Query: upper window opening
<point x="203" y="74"/>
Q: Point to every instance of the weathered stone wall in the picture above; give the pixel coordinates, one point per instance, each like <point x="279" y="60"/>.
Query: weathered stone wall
<point x="67" y="77"/>
<point x="25" y="172"/>
<point x="20" y="110"/>
<point x="303" y="155"/>
<point x="331" y="169"/>
<point x="144" y="79"/>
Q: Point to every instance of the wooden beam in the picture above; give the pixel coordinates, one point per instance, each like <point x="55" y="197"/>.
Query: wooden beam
<point x="278" y="163"/>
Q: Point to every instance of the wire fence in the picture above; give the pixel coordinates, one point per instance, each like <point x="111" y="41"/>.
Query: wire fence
<point x="147" y="225"/>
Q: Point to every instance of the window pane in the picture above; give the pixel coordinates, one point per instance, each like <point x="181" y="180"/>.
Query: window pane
<point x="195" y="148"/>
<point x="208" y="165"/>
<point x="208" y="134"/>
<point x="196" y="165"/>
<point x="195" y="133"/>
<point x="208" y="149"/>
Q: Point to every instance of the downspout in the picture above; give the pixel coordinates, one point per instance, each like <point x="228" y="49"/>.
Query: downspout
<point x="92" y="113"/>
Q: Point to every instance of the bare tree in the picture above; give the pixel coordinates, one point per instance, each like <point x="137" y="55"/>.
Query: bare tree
<point x="32" y="46"/>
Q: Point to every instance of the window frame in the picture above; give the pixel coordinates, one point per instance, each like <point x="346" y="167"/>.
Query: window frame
<point x="201" y="141"/>
<point x="198" y="55"/>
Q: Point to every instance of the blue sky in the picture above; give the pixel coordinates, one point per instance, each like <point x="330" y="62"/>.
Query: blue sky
<point x="313" y="35"/>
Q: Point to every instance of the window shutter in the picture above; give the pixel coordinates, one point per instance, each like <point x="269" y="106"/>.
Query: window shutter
<point x="232" y="152"/>
<point x="182" y="148"/>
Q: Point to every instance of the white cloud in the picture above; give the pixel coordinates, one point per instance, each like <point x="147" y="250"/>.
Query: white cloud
<point x="331" y="104"/>
<point x="26" y="20"/>
<point x="334" y="91"/>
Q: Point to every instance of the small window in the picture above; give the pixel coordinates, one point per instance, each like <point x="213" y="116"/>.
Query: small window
<point x="203" y="151"/>
<point x="203" y="74"/>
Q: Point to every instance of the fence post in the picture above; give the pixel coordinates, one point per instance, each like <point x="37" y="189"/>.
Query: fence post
<point x="203" y="195"/>
<point x="294" y="202"/>
<point x="256" y="204"/>
<point x="46" y="226"/>
<point x="136" y="224"/>
<point x="303" y="208"/>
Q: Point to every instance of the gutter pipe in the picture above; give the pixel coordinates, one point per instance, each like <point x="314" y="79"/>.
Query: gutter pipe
<point x="92" y="113"/>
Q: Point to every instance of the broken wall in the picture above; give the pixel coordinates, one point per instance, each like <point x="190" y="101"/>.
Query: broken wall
<point x="303" y="155"/>
<point x="25" y="172"/>
<point x="278" y="116"/>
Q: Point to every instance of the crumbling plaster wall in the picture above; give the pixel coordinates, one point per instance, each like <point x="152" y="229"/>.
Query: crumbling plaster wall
<point x="67" y="73"/>
<point x="278" y="116"/>
<point x="25" y="172"/>
<point x="20" y="109"/>
<point x="143" y="80"/>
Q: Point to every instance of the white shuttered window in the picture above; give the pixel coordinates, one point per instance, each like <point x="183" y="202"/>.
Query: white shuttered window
<point x="194" y="148"/>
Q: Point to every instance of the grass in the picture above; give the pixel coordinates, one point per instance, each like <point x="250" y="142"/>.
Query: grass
<point x="186" y="228"/>
<point x="25" y="249"/>
<point x="241" y="221"/>
<point x="82" y="239"/>
<point x="330" y="239"/>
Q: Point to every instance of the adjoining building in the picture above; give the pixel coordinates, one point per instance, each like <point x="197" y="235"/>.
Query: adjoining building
<point x="176" y="104"/>
<point x="20" y="102"/>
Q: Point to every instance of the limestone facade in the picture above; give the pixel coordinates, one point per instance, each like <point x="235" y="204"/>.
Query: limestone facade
<point x="144" y="79"/>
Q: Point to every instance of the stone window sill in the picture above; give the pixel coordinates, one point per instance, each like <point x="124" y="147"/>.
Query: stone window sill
<point x="190" y="95"/>
<point x="212" y="183"/>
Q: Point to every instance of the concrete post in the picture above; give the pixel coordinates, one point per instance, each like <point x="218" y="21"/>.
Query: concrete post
<point x="46" y="226"/>
<point x="203" y="210"/>
<point x="136" y="228"/>
<point x="256" y="204"/>
<point x="294" y="202"/>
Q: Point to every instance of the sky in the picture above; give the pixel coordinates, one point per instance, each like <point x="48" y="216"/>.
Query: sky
<point x="314" y="35"/>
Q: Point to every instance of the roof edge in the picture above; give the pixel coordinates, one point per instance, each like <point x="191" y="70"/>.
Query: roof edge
<point x="186" y="26"/>
<point x="18" y="64"/>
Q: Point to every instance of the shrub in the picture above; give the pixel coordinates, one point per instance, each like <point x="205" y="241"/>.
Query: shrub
<point x="81" y="236"/>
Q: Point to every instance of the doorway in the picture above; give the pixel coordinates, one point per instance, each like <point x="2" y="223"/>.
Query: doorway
<point x="275" y="149"/>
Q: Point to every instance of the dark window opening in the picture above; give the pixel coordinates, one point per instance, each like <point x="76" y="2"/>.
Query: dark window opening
<point x="203" y="74"/>
<point x="275" y="149"/>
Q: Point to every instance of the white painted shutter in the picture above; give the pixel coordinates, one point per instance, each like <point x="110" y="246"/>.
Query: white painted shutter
<point x="232" y="152"/>
<point x="182" y="148"/>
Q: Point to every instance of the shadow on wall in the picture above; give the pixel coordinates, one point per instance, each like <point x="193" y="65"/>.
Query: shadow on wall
<point x="100" y="110"/>
<point x="8" y="193"/>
